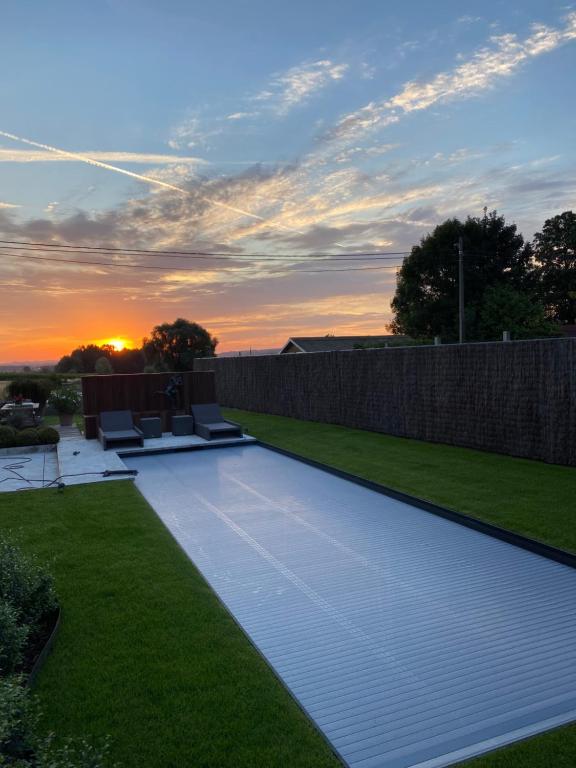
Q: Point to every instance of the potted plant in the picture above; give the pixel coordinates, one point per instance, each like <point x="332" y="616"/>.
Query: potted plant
<point x="66" y="402"/>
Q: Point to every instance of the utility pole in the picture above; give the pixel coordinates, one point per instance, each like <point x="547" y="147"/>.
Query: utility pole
<point x="461" y="328"/>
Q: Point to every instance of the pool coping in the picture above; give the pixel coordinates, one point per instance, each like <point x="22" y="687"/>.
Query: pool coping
<point x="503" y="534"/>
<point x="226" y="442"/>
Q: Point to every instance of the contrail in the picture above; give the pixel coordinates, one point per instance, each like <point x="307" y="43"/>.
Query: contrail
<point x="139" y="177"/>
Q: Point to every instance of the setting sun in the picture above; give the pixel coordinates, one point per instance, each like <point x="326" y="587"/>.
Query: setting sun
<point x="118" y="343"/>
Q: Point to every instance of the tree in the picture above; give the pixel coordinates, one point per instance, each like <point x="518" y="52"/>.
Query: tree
<point x="555" y="255"/>
<point x="103" y="366"/>
<point x="506" y="309"/>
<point x="84" y="359"/>
<point x="173" y="346"/>
<point x="66" y="364"/>
<point x="127" y="360"/>
<point x="426" y="300"/>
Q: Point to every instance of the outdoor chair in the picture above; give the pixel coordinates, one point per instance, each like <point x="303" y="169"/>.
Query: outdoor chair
<point x="209" y="422"/>
<point x="118" y="427"/>
<point x="20" y="416"/>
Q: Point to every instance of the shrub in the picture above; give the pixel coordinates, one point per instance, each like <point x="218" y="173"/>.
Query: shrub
<point x="7" y="436"/>
<point x="22" y="743"/>
<point x="16" y="420"/>
<point x="103" y="366"/>
<point x="18" y="723"/>
<point x="26" y="596"/>
<point x="25" y="586"/>
<point x="73" y="753"/>
<point x="48" y="435"/>
<point x="27" y="437"/>
<point x="65" y="399"/>
<point x="36" y="389"/>
<point x="13" y="639"/>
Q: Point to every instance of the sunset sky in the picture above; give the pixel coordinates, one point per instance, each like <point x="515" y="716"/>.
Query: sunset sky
<point x="252" y="127"/>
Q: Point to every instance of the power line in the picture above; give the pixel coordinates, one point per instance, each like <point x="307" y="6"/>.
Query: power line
<point x="349" y="269"/>
<point x="148" y="267"/>
<point x="63" y="247"/>
<point x="105" y="263"/>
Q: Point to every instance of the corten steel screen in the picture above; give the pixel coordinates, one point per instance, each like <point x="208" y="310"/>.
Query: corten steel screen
<point x="410" y="640"/>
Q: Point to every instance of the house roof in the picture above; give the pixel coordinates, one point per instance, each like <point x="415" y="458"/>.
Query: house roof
<point x="335" y="343"/>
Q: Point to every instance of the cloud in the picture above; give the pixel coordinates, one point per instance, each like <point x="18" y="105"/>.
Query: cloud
<point x="138" y="158"/>
<point x="243" y="301"/>
<point x="151" y="180"/>
<point x="284" y="92"/>
<point x="500" y="59"/>
<point x="467" y="20"/>
<point x="356" y="153"/>
<point x="8" y="205"/>
<point x="241" y="115"/>
<point x="191" y="132"/>
<point x="297" y="85"/>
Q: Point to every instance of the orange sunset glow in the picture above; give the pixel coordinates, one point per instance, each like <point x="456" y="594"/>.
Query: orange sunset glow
<point x="118" y="343"/>
<point x="92" y="314"/>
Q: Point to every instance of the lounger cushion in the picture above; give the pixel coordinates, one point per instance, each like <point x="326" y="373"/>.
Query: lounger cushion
<point x="122" y="434"/>
<point x="208" y="413"/>
<point x="114" y="421"/>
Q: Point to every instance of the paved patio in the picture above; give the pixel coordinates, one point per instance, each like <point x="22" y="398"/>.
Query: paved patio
<point x="27" y="468"/>
<point x="84" y="461"/>
<point x="76" y="460"/>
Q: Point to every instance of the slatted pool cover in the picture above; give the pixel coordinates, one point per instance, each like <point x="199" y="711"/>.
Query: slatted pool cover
<point x="410" y="640"/>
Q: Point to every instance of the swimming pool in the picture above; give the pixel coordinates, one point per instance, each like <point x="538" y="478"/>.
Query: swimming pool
<point x="410" y="640"/>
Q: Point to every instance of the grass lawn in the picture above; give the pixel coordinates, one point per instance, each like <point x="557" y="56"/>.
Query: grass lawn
<point x="145" y="652"/>
<point x="530" y="497"/>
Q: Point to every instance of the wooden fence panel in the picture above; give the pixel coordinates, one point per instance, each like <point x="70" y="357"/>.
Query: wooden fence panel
<point x="143" y="394"/>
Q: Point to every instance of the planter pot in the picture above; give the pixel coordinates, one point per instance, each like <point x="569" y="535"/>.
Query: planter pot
<point x="66" y="419"/>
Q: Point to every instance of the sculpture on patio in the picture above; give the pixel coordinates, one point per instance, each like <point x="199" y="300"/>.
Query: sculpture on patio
<point x="172" y="391"/>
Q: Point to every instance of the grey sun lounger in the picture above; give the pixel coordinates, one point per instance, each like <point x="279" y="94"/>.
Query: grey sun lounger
<point x="118" y="427"/>
<point x="209" y="423"/>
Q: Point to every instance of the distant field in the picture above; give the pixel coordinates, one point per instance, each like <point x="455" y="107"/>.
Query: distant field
<point x="11" y="375"/>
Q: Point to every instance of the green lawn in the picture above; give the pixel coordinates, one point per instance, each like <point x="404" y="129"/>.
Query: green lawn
<point x="532" y="498"/>
<point x="145" y="652"/>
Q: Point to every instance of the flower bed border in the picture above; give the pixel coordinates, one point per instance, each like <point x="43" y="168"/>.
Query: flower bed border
<point x="45" y="651"/>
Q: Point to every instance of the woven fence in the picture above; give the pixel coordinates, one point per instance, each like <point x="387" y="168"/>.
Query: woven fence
<point x="517" y="398"/>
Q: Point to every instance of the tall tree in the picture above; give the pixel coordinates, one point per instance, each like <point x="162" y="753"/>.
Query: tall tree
<point x="426" y="300"/>
<point x="127" y="360"/>
<point x="506" y="309"/>
<point x="173" y="346"/>
<point x="555" y="255"/>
